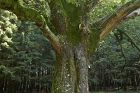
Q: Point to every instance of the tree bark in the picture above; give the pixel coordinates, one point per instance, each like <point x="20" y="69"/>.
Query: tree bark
<point x="82" y="69"/>
<point x="71" y="70"/>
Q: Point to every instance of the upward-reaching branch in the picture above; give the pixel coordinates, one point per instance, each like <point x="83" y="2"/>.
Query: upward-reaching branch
<point x="112" y="21"/>
<point x="24" y="13"/>
<point x="57" y="19"/>
<point x="90" y="4"/>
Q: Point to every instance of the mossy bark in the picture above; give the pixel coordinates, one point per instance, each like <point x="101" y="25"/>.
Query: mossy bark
<point x="65" y="71"/>
<point x="71" y="70"/>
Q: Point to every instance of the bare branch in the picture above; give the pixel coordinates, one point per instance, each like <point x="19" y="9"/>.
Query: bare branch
<point x="121" y="47"/>
<point x="133" y="14"/>
<point x="130" y="39"/>
<point x="112" y="21"/>
<point x="24" y="13"/>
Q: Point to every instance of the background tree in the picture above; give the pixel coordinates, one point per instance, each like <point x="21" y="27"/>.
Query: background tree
<point x="26" y="57"/>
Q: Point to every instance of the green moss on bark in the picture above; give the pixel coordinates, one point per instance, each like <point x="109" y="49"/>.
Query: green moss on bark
<point x="73" y="35"/>
<point x="17" y="7"/>
<point x="93" y="40"/>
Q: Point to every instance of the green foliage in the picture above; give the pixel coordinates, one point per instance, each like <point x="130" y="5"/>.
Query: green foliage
<point x="104" y="8"/>
<point x="7" y="26"/>
<point x="116" y="63"/>
<point x="25" y="54"/>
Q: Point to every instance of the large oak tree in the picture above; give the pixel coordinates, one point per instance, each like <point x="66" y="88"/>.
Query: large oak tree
<point x="71" y="34"/>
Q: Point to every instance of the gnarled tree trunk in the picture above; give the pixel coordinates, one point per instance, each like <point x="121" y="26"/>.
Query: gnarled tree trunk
<point x="71" y="70"/>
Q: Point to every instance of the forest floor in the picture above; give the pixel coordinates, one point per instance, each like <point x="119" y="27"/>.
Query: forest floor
<point x="116" y="92"/>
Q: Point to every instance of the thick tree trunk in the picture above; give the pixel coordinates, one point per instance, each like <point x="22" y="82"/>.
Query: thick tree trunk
<point x="71" y="71"/>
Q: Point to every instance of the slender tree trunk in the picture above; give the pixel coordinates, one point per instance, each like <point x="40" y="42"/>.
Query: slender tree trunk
<point x="71" y="71"/>
<point x="82" y="69"/>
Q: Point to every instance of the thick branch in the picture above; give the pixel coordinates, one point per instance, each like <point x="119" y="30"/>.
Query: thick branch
<point x="52" y="38"/>
<point x="24" y="13"/>
<point x="133" y="15"/>
<point x="112" y="21"/>
<point x="16" y="6"/>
